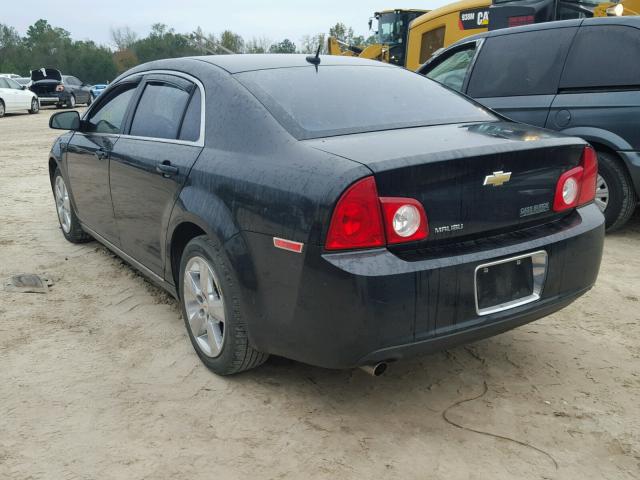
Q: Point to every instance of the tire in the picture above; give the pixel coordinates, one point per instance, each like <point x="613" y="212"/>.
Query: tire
<point x="620" y="201"/>
<point x="233" y="354"/>
<point x="69" y="223"/>
<point x="35" y="106"/>
<point x="2" y="109"/>
<point x="89" y="100"/>
<point x="71" y="102"/>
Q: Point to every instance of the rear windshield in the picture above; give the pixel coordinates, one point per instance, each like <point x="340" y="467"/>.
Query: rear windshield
<point x="339" y="100"/>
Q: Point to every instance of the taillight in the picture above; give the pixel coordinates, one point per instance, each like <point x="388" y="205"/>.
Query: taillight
<point x="356" y="220"/>
<point x="361" y="219"/>
<point x="404" y="219"/>
<point x="59" y="88"/>
<point x="577" y="186"/>
<point x="520" y="20"/>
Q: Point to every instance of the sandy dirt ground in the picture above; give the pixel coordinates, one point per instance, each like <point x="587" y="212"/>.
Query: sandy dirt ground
<point x="98" y="379"/>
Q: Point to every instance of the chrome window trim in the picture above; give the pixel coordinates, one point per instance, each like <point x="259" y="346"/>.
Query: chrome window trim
<point x="539" y="271"/>
<point x="198" y="83"/>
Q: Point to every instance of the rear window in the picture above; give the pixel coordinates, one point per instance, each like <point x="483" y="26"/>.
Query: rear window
<point x="527" y="63"/>
<point x="339" y="100"/>
<point x="603" y="56"/>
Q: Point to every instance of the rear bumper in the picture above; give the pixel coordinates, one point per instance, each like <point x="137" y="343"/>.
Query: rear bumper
<point x="341" y="310"/>
<point x="53" y="98"/>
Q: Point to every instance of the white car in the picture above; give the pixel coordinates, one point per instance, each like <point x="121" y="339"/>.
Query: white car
<point x="16" y="98"/>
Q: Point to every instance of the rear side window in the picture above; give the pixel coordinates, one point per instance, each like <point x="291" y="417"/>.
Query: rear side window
<point x="330" y="101"/>
<point x="109" y="116"/>
<point x="160" y="111"/>
<point x="528" y="63"/>
<point x="190" y="129"/>
<point x="431" y="41"/>
<point x="453" y="69"/>
<point x="603" y="56"/>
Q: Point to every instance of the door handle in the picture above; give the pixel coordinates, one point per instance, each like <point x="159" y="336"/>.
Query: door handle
<point x="166" y="169"/>
<point x="101" y="154"/>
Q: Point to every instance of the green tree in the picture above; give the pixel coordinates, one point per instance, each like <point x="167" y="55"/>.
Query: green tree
<point x="163" y="42"/>
<point x="310" y="43"/>
<point x="285" y="46"/>
<point x="232" y="41"/>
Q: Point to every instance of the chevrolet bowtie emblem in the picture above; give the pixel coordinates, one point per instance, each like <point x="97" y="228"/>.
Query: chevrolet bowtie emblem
<point x="497" y="178"/>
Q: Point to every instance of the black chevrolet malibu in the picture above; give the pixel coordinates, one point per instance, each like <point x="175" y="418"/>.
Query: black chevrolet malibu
<point x="342" y="213"/>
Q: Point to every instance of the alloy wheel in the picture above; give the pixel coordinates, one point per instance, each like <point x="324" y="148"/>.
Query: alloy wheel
<point x="602" y="193"/>
<point x="62" y="204"/>
<point x="204" y="305"/>
<point x="34" y="105"/>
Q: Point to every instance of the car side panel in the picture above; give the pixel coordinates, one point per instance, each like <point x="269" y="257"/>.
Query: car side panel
<point x="530" y="109"/>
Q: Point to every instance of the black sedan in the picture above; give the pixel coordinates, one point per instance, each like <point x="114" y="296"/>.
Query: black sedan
<point x="53" y="88"/>
<point x="294" y="213"/>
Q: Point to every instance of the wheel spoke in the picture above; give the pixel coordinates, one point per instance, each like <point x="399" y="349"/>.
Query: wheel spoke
<point x="216" y="309"/>
<point x="194" y="286"/>
<point x="213" y="338"/>
<point x="204" y="279"/>
<point x="196" y="322"/>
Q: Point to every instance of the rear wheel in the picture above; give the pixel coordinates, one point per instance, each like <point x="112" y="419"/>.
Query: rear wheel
<point x="614" y="191"/>
<point x="71" y="102"/>
<point x="212" y="311"/>
<point x="89" y="100"/>
<point x="35" y="106"/>
<point x="69" y="222"/>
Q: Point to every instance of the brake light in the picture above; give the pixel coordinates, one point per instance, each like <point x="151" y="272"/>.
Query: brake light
<point x="361" y="219"/>
<point x="521" y="20"/>
<point x="59" y="88"/>
<point x="577" y="186"/>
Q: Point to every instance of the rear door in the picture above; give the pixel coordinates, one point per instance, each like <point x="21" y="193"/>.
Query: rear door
<point x="517" y="74"/>
<point x="600" y="86"/>
<point x="88" y="155"/>
<point x="150" y="164"/>
<point x="8" y="95"/>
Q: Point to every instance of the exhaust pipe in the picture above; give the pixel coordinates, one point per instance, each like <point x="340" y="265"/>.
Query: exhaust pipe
<point x="376" y="369"/>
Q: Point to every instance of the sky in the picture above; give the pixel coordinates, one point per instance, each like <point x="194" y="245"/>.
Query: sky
<point x="275" y="20"/>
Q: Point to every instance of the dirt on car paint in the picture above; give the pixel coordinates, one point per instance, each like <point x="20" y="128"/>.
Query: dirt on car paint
<point x="98" y="378"/>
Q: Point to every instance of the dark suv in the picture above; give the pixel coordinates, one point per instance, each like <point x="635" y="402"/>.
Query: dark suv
<point x="580" y="77"/>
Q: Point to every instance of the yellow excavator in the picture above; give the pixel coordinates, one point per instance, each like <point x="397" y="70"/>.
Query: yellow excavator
<point x="409" y="37"/>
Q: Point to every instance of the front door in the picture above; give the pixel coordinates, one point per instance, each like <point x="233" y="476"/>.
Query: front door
<point x="88" y="157"/>
<point x="151" y="163"/>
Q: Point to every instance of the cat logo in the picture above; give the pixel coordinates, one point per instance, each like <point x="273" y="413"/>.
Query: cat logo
<point x="497" y="178"/>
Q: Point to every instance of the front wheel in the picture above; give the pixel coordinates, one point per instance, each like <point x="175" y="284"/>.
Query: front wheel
<point x="212" y="310"/>
<point x="69" y="222"/>
<point x="614" y="191"/>
<point x="35" y="106"/>
<point x="71" y="102"/>
<point x="2" y="109"/>
<point x="89" y="100"/>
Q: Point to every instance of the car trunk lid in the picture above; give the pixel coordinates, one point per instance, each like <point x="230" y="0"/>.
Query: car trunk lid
<point x="473" y="180"/>
<point x="45" y="80"/>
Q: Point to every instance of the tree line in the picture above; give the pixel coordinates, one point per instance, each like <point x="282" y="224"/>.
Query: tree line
<point x="46" y="45"/>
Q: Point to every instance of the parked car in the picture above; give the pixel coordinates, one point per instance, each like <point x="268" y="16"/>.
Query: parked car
<point x="579" y="77"/>
<point x="97" y="89"/>
<point x="53" y="88"/>
<point x="16" y="98"/>
<point x="26" y="81"/>
<point x="293" y="217"/>
<point x="9" y="75"/>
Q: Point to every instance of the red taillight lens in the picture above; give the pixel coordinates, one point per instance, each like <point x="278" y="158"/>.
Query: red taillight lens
<point x="590" y="176"/>
<point x="577" y="186"/>
<point x="404" y="219"/>
<point x="361" y="219"/>
<point x="356" y="220"/>
<point x="521" y="20"/>
<point x="59" y="88"/>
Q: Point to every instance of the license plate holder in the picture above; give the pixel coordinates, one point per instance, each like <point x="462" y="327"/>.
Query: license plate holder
<point x="510" y="282"/>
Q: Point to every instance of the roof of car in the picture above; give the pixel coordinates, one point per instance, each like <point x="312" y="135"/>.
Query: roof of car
<point x="249" y="62"/>
<point x="633" y="21"/>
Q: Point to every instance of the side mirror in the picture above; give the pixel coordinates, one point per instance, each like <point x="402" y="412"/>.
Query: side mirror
<point x="65" y="121"/>
<point x="23" y="87"/>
